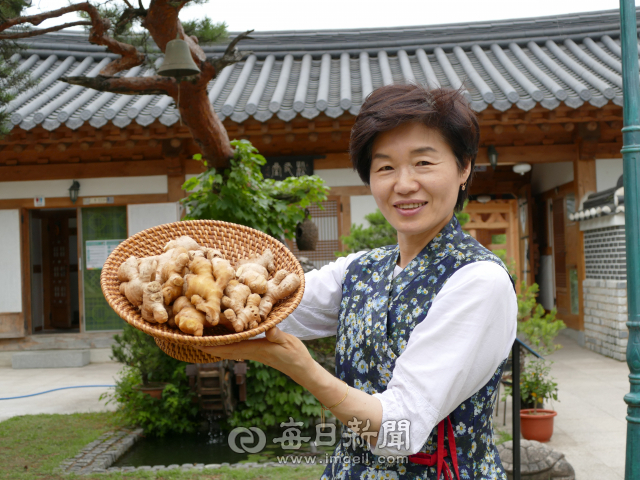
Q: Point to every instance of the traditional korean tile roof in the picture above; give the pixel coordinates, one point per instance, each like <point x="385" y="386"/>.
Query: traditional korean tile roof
<point x="570" y="59"/>
<point x="602" y="203"/>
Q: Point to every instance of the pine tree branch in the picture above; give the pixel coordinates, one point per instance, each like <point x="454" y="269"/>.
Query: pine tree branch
<point x="153" y="85"/>
<point x="131" y="57"/>
<point x="35" y="33"/>
<point x="40" y="17"/>
<point x="232" y="54"/>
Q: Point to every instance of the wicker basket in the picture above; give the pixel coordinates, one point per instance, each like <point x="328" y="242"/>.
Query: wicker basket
<point x="235" y="242"/>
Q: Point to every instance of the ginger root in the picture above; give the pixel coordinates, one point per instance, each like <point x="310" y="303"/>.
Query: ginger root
<point x="234" y="301"/>
<point x="266" y="260"/>
<point x="188" y="285"/>
<point x="153" y="310"/>
<point x="187" y="318"/>
<point x="205" y="285"/>
<point x="185" y="242"/>
<point x="135" y="274"/>
<point x="280" y="286"/>
<point x="170" y="273"/>
<point x="242" y="317"/>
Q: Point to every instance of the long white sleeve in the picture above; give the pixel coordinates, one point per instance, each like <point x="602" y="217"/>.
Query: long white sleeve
<point x="452" y="353"/>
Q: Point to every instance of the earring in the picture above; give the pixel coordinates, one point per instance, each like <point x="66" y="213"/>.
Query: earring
<point x="464" y="185"/>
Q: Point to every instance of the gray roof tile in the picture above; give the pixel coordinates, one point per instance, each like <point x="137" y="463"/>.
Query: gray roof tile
<point x="524" y="63"/>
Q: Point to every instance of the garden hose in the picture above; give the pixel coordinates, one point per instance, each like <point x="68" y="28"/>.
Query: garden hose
<point x="56" y="389"/>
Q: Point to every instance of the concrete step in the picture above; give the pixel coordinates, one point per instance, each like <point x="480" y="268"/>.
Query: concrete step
<point x="51" y="359"/>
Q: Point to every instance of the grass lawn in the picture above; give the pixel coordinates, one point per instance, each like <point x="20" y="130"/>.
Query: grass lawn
<point x="33" y="446"/>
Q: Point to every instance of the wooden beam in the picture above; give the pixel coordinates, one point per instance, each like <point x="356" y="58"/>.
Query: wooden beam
<point x="333" y="160"/>
<point x="65" y="202"/>
<point x="128" y="168"/>
<point x="510" y="155"/>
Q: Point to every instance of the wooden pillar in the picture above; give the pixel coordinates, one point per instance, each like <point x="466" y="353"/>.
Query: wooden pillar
<point x="584" y="180"/>
<point x="345" y="218"/>
<point x="172" y="150"/>
<point x="25" y="253"/>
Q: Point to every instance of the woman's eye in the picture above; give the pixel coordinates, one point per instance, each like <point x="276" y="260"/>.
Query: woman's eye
<point x="423" y="163"/>
<point x="386" y="168"/>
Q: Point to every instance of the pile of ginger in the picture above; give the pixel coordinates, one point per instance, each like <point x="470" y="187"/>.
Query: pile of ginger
<point x="191" y="287"/>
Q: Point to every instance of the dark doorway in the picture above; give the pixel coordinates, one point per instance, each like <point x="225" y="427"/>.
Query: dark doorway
<point x="54" y="266"/>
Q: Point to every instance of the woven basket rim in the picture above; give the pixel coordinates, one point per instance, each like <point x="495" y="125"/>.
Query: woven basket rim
<point x="121" y="305"/>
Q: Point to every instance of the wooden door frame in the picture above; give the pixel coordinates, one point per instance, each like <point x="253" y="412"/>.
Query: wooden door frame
<point x="561" y="191"/>
<point x="507" y="208"/>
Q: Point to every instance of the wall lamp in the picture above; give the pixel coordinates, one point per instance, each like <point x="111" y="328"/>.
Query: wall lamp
<point x="492" y="153"/>
<point x="74" y="189"/>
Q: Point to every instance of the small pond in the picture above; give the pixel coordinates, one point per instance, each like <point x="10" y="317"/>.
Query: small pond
<point x="202" y="448"/>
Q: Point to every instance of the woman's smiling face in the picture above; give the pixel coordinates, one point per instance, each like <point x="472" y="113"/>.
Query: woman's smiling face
<point x="415" y="180"/>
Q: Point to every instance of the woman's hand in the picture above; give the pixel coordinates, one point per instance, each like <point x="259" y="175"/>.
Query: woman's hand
<point x="278" y="349"/>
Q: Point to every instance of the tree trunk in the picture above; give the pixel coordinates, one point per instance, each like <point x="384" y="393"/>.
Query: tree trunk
<point x="197" y="113"/>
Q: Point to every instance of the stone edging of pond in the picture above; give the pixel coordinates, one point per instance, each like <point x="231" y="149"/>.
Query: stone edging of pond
<point x="202" y="466"/>
<point x="99" y="455"/>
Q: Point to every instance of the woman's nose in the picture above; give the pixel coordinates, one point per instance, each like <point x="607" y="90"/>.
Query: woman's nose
<point x="406" y="182"/>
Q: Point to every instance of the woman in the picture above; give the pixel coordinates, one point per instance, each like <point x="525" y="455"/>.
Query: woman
<point x="423" y="327"/>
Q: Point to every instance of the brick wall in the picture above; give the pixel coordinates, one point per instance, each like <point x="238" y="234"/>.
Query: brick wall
<point x="605" y="317"/>
<point x="605" y="290"/>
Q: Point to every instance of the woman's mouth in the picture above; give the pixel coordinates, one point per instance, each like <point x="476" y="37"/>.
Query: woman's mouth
<point x="409" y="208"/>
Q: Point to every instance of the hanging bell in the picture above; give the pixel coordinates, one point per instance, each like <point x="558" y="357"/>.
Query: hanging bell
<point x="177" y="60"/>
<point x="306" y="234"/>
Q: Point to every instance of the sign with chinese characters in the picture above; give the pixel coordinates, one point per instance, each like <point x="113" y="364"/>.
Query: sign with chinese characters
<point x="98" y="251"/>
<point x="96" y="200"/>
<point x="279" y="168"/>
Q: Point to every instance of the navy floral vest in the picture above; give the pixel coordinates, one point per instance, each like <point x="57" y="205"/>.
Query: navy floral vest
<point x="377" y="315"/>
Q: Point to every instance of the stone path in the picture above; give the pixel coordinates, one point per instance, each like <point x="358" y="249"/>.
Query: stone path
<point x="15" y="383"/>
<point x="590" y="428"/>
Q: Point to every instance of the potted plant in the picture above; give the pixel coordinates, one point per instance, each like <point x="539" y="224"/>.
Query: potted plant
<point x="537" y="386"/>
<point x="139" y="351"/>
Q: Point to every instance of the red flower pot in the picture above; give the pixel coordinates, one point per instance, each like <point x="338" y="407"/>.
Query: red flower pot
<point x="153" y="389"/>
<point x="537" y="424"/>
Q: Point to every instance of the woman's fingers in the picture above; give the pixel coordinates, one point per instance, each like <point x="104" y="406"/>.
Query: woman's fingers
<point x="275" y="335"/>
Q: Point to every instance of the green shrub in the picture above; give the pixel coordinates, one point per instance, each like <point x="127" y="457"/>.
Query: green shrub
<point x="537" y="327"/>
<point x="272" y="398"/>
<point x="145" y="363"/>
<point x="240" y="194"/>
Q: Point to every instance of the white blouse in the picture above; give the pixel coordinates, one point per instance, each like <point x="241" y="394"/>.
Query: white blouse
<point x="468" y="331"/>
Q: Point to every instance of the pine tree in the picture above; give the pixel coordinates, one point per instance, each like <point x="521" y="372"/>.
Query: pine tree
<point x="12" y="81"/>
<point x="138" y="32"/>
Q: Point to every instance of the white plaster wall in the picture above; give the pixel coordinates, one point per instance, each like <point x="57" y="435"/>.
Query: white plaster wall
<point x="89" y="187"/>
<point x="362" y="205"/>
<point x="545" y="176"/>
<point x="141" y="217"/>
<point x="10" y="272"/>
<point x="607" y="172"/>
<point x="339" y="177"/>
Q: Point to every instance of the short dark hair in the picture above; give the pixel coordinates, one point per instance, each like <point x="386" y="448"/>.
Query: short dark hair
<point x="442" y="109"/>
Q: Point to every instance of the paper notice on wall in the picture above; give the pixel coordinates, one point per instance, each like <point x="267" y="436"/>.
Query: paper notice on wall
<point x="98" y="251"/>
